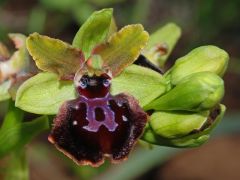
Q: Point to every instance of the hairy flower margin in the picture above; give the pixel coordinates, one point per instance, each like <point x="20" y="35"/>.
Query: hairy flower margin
<point x="183" y="104"/>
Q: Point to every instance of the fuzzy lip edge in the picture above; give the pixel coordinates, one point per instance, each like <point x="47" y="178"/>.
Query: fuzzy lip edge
<point x="86" y="162"/>
<point x="80" y="163"/>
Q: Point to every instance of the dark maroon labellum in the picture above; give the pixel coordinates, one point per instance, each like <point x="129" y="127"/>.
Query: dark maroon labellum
<point x="97" y="124"/>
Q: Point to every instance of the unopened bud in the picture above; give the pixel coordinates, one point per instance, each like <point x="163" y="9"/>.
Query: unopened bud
<point x="197" y="92"/>
<point x="204" y="58"/>
<point x="176" y="135"/>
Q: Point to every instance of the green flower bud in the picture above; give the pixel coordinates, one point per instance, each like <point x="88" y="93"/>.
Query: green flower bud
<point x="197" y="92"/>
<point x="204" y="58"/>
<point x="175" y="124"/>
<point x="167" y="129"/>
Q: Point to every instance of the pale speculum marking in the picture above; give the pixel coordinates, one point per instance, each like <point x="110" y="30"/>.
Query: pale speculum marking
<point x="94" y="93"/>
<point x="108" y="119"/>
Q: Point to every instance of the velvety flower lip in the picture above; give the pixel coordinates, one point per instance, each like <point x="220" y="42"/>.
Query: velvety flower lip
<point x="90" y="128"/>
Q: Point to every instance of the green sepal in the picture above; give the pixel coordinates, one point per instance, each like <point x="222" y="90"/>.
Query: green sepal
<point x="144" y="84"/>
<point x="197" y="92"/>
<point x="44" y="93"/>
<point x="94" y="31"/>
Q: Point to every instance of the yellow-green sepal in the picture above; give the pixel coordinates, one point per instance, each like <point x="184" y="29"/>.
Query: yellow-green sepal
<point x="53" y="55"/>
<point x="123" y="48"/>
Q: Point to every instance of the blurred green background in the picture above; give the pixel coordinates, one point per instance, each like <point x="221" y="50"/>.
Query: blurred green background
<point x="202" y="22"/>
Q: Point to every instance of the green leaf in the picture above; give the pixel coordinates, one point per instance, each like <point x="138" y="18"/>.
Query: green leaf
<point x="17" y="136"/>
<point x="167" y="35"/>
<point x="175" y="124"/>
<point x="204" y="58"/>
<point x="14" y="116"/>
<point x="94" y="31"/>
<point x="4" y="95"/>
<point x="17" y="166"/>
<point x="44" y="94"/>
<point x="54" y="55"/>
<point x="123" y="48"/>
<point x="197" y="92"/>
<point x="144" y="84"/>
